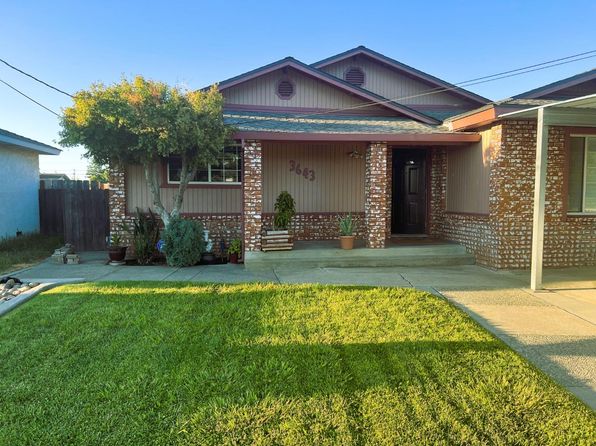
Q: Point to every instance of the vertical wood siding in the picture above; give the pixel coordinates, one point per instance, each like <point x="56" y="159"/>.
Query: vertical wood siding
<point x="196" y="200"/>
<point x="468" y="174"/>
<point x="339" y="178"/>
<point x="393" y="85"/>
<point x="309" y="92"/>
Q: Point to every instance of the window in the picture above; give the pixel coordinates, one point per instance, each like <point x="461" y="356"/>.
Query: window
<point x="582" y="174"/>
<point x="226" y="170"/>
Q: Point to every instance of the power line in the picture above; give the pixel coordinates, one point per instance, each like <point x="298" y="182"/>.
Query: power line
<point x="35" y="78"/>
<point x="30" y="98"/>
<point x="476" y="81"/>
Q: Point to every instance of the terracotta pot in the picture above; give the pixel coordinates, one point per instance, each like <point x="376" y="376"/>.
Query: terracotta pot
<point x="347" y="241"/>
<point x="117" y="253"/>
<point x="234" y="257"/>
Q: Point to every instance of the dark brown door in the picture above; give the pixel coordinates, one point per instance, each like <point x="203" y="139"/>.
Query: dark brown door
<point x="408" y="209"/>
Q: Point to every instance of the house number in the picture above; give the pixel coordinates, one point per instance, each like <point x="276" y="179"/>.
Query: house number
<point x="307" y="173"/>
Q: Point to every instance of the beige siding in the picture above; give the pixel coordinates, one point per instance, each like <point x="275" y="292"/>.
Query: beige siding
<point x="339" y="179"/>
<point x="309" y="93"/>
<point x="468" y="172"/>
<point x="196" y="200"/>
<point x="391" y="84"/>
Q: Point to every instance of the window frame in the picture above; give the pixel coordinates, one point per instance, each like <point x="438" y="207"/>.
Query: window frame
<point x="583" y="212"/>
<point x="209" y="182"/>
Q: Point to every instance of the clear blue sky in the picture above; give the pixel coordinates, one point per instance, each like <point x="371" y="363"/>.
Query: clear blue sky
<point x="195" y="43"/>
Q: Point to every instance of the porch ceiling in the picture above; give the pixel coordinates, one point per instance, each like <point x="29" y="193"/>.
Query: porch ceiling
<point x="294" y="126"/>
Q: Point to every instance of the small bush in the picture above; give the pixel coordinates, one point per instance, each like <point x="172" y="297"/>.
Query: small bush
<point x="184" y="242"/>
<point x="285" y="208"/>
<point x="145" y="236"/>
<point x="347" y="225"/>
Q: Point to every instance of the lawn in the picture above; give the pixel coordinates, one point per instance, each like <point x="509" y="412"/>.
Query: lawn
<point x="154" y="363"/>
<point x="23" y="251"/>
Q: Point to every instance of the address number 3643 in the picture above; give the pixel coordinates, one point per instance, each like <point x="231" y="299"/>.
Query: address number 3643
<point x="305" y="172"/>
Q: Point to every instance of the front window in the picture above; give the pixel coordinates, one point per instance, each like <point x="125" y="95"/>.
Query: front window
<point x="226" y="170"/>
<point x="582" y="174"/>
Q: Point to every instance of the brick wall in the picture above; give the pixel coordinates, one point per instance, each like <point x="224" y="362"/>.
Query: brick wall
<point x="377" y="205"/>
<point x="252" y="194"/>
<point x="319" y="226"/>
<point x="503" y="239"/>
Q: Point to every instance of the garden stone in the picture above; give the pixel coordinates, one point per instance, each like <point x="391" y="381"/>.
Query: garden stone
<point x="33" y="284"/>
<point x="24" y="288"/>
<point x="9" y="283"/>
<point x="15" y="292"/>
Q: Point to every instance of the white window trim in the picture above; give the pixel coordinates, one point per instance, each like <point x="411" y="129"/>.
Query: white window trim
<point x="585" y="171"/>
<point x="209" y="182"/>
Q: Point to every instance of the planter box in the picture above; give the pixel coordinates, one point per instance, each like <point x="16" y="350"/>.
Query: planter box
<point x="277" y="240"/>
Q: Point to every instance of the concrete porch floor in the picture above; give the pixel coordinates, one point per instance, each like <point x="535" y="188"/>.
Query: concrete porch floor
<point x="554" y="329"/>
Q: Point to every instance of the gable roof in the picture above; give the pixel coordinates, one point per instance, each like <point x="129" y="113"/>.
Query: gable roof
<point x="22" y="142"/>
<point x="332" y="80"/>
<point x="558" y="85"/>
<point x="396" y="65"/>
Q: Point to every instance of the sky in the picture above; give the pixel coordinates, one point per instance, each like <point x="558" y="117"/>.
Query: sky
<point x="71" y="44"/>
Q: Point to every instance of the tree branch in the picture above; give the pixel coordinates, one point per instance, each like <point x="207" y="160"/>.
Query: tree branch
<point x="150" y="167"/>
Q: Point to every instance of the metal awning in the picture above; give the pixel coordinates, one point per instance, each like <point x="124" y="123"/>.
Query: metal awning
<point x="578" y="112"/>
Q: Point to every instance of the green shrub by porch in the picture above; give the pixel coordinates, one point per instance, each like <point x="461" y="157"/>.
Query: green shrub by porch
<point x="184" y="242"/>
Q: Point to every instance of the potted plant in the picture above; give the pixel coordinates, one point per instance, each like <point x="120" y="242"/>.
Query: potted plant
<point x="234" y="250"/>
<point x="347" y="226"/>
<point x="279" y="237"/>
<point x="116" y="250"/>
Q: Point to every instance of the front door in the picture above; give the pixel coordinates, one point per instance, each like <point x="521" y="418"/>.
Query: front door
<point x="408" y="211"/>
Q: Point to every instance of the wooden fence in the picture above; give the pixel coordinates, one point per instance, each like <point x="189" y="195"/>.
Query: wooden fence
<point x="78" y="213"/>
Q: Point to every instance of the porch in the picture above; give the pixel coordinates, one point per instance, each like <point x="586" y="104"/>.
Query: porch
<point x="327" y="253"/>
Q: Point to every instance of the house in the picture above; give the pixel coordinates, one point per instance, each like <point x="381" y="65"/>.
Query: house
<point x="19" y="177"/>
<point x="403" y="151"/>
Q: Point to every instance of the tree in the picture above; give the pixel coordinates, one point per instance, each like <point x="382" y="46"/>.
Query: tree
<point x="98" y="172"/>
<point x="141" y="122"/>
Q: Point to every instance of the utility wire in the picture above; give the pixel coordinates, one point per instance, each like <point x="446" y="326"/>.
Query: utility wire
<point x="35" y="78"/>
<point x="480" y="80"/>
<point x="30" y="98"/>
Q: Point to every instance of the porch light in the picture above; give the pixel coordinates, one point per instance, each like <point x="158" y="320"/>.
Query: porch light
<point x="355" y="154"/>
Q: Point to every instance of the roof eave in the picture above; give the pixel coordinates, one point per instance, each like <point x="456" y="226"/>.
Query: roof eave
<point x="325" y="77"/>
<point x="401" y="67"/>
<point x="394" y="138"/>
<point x="39" y="148"/>
<point x="557" y="85"/>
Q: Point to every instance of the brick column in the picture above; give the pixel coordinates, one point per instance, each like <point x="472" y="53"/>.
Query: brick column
<point x="376" y="205"/>
<point x="252" y="195"/>
<point x="117" y="197"/>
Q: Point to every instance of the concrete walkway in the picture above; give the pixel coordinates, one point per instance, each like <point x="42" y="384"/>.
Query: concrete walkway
<point x="554" y="329"/>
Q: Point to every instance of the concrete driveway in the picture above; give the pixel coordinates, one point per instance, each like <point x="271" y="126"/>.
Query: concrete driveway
<point x="554" y="329"/>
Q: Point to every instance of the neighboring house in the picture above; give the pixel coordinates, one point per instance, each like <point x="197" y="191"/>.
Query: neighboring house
<point x="19" y="183"/>
<point x="403" y="151"/>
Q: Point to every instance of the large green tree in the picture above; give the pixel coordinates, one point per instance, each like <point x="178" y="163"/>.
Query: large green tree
<point x="143" y="121"/>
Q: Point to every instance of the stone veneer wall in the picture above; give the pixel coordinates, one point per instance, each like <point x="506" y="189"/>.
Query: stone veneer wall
<point x="252" y="195"/>
<point x="319" y="226"/>
<point x="377" y="204"/>
<point x="503" y="239"/>
<point x="224" y="227"/>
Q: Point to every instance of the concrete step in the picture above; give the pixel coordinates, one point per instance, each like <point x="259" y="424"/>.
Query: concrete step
<point x="328" y="255"/>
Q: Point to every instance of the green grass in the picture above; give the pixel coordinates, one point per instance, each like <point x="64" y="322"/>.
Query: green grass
<point x="23" y="251"/>
<point x="140" y="364"/>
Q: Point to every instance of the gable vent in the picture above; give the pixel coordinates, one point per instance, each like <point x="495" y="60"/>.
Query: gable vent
<point x="355" y="76"/>
<point x="285" y="89"/>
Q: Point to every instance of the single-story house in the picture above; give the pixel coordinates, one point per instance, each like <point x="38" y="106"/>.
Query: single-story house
<point x="403" y="151"/>
<point x="19" y="179"/>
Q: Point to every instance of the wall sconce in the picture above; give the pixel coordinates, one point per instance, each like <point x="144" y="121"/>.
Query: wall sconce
<point x="355" y="154"/>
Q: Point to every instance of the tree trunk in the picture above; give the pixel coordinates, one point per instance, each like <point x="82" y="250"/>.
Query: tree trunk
<point x="186" y="174"/>
<point x="152" y="180"/>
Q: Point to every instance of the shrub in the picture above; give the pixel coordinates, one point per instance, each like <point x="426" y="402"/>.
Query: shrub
<point x="347" y="225"/>
<point x="183" y="242"/>
<point x="235" y="247"/>
<point x="285" y="208"/>
<point x="145" y="236"/>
